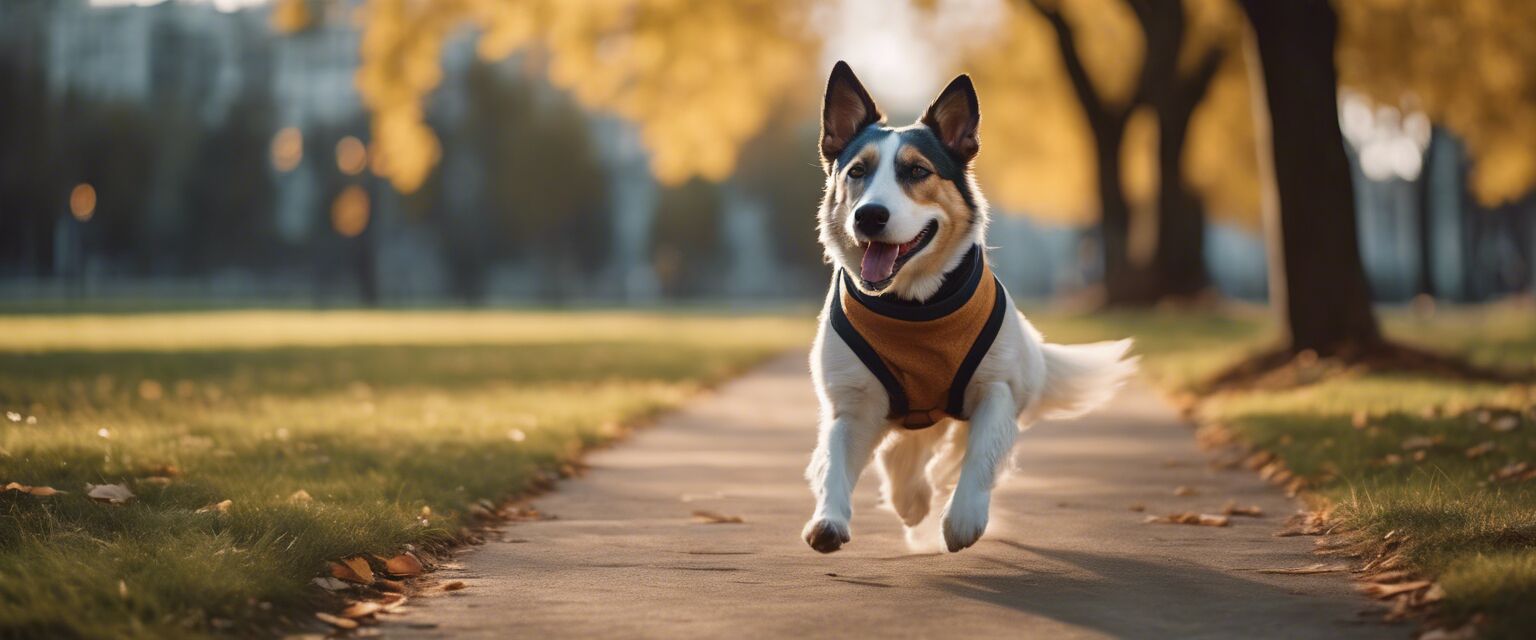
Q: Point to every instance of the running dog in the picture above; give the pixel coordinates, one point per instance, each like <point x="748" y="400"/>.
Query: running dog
<point x="921" y="360"/>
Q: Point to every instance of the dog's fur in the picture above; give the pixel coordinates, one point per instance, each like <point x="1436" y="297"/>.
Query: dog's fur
<point x="1020" y="380"/>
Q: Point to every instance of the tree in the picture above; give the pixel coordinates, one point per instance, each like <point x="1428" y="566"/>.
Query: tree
<point x="698" y="77"/>
<point x="1317" y="282"/>
<point x="1142" y="186"/>
<point x="1107" y="120"/>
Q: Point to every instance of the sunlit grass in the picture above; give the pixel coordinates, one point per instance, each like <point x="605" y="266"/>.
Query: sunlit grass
<point x="373" y="415"/>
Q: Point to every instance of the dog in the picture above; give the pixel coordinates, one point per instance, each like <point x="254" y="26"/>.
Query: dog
<point x="921" y="360"/>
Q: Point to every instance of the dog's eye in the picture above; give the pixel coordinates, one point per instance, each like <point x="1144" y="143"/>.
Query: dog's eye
<point x="918" y="173"/>
<point x="856" y="171"/>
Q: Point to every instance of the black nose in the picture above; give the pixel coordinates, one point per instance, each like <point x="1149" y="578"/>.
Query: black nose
<point x="870" y="219"/>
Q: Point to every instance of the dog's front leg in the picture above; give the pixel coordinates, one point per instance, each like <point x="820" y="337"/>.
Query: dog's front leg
<point x="843" y="448"/>
<point x="992" y="430"/>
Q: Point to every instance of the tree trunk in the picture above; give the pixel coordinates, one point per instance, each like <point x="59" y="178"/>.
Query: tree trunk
<point x="1123" y="284"/>
<point x="1178" y="262"/>
<point x="1120" y="277"/>
<point x="1318" y="284"/>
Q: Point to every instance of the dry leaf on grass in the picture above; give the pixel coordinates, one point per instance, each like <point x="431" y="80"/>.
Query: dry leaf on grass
<point x="353" y="569"/>
<point x="42" y="492"/>
<point x="300" y="497"/>
<point x="336" y="621"/>
<point x="1183" y="491"/>
<point x="385" y="584"/>
<point x="1360" y="420"/>
<point x="1307" y="570"/>
<point x="392" y="602"/>
<point x="403" y="565"/>
<point x="331" y="584"/>
<point x="221" y="506"/>
<point x="1479" y="450"/>
<point x="715" y="517"/>
<point x="108" y="493"/>
<point x="1190" y="517"/>
<point x="454" y="586"/>
<point x="1232" y="509"/>
<point x="1412" y="443"/>
<point x="361" y="609"/>
<point x="1506" y="423"/>
<point x="1514" y="472"/>
<point x="1383" y="591"/>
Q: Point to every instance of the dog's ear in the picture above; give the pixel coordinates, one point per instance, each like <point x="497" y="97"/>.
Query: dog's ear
<point x="846" y="111"/>
<point x="954" y="118"/>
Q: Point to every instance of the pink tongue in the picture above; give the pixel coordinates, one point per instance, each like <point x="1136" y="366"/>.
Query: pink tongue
<point x="879" y="260"/>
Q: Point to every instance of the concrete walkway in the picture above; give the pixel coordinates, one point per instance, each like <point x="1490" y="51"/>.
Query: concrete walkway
<point x="1065" y="556"/>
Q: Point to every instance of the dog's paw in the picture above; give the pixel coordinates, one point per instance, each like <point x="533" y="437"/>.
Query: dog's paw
<point x="826" y="535"/>
<point x="965" y="520"/>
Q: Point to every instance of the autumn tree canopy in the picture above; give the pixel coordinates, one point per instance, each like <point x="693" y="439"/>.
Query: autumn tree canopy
<point x="697" y="77"/>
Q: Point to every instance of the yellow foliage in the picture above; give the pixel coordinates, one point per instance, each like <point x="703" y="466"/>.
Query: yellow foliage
<point x="1467" y="63"/>
<point x="1037" y="152"/>
<point x="698" y="77"/>
<point x="289" y="16"/>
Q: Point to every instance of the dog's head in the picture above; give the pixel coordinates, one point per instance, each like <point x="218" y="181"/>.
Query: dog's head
<point x="901" y="208"/>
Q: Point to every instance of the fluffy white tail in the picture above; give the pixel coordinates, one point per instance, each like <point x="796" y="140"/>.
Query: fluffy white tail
<point x="1080" y="377"/>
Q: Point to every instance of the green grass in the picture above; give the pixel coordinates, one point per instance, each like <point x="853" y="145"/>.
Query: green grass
<point x="1475" y="536"/>
<point x="375" y="414"/>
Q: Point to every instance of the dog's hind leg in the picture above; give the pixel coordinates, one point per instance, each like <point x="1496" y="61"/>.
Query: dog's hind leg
<point x="843" y="449"/>
<point x="902" y="460"/>
<point x="989" y="442"/>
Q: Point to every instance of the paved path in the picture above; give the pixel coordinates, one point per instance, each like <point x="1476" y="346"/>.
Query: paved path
<point x="1065" y="556"/>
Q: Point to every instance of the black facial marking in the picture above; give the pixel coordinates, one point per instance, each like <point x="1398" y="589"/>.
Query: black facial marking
<point x="872" y="134"/>
<point x="944" y="165"/>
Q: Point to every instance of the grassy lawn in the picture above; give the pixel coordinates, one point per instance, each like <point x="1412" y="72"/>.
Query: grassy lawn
<point x="1405" y="455"/>
<point x="394" y="423"/>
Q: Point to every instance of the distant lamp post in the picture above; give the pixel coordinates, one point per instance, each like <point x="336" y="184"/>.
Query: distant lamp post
<point x="287" y="149"/>
<point x="349" y="212"/>
<point x="82" y="201"/>
<point x="351" y="156"/>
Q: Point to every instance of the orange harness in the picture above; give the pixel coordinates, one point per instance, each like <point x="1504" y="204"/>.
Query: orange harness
<point x="924" y="354"/>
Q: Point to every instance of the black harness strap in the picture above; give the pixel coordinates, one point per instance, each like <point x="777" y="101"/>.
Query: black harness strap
<point x="866" y="353"/>
<point x="978" y="351"/>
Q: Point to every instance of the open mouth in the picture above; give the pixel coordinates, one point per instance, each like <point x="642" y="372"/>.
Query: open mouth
<point x="882" y="260"/>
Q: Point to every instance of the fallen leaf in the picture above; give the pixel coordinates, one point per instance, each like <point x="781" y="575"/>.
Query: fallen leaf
<point x="39" y="491"/>
<point x="156" y="481"/>
<point x="1183" y="491"/>
<point x="715" y="517"/>
<point x="1505" y="423"/>
<point x="1419" y="442"/>
<point x="385" y="584"/>
<point x="1360" y="420"/>
<point x="392" y="602"/>
<point x="331" y="584"/>
<point x="353" y="569"/>
<point x="300" y="497"/>
<point x="1138" y="507"/>
<point x="1307" y="570"/>
<point x="336" y="621"/>
<point x="1433" y="594"/>
<point x="1383" y="591"/>
<point x="403" y="565"/>
<point x="1190" y="517"/>
<point x="1479" y="450"/>
<point x="1251" y="511"/>
<point x="221" y="506"/>
<point x="1514" y="472"/>
<point x="361" y="609"/>
<point x="454" y="586"/>
<point x="108" y="493"/>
